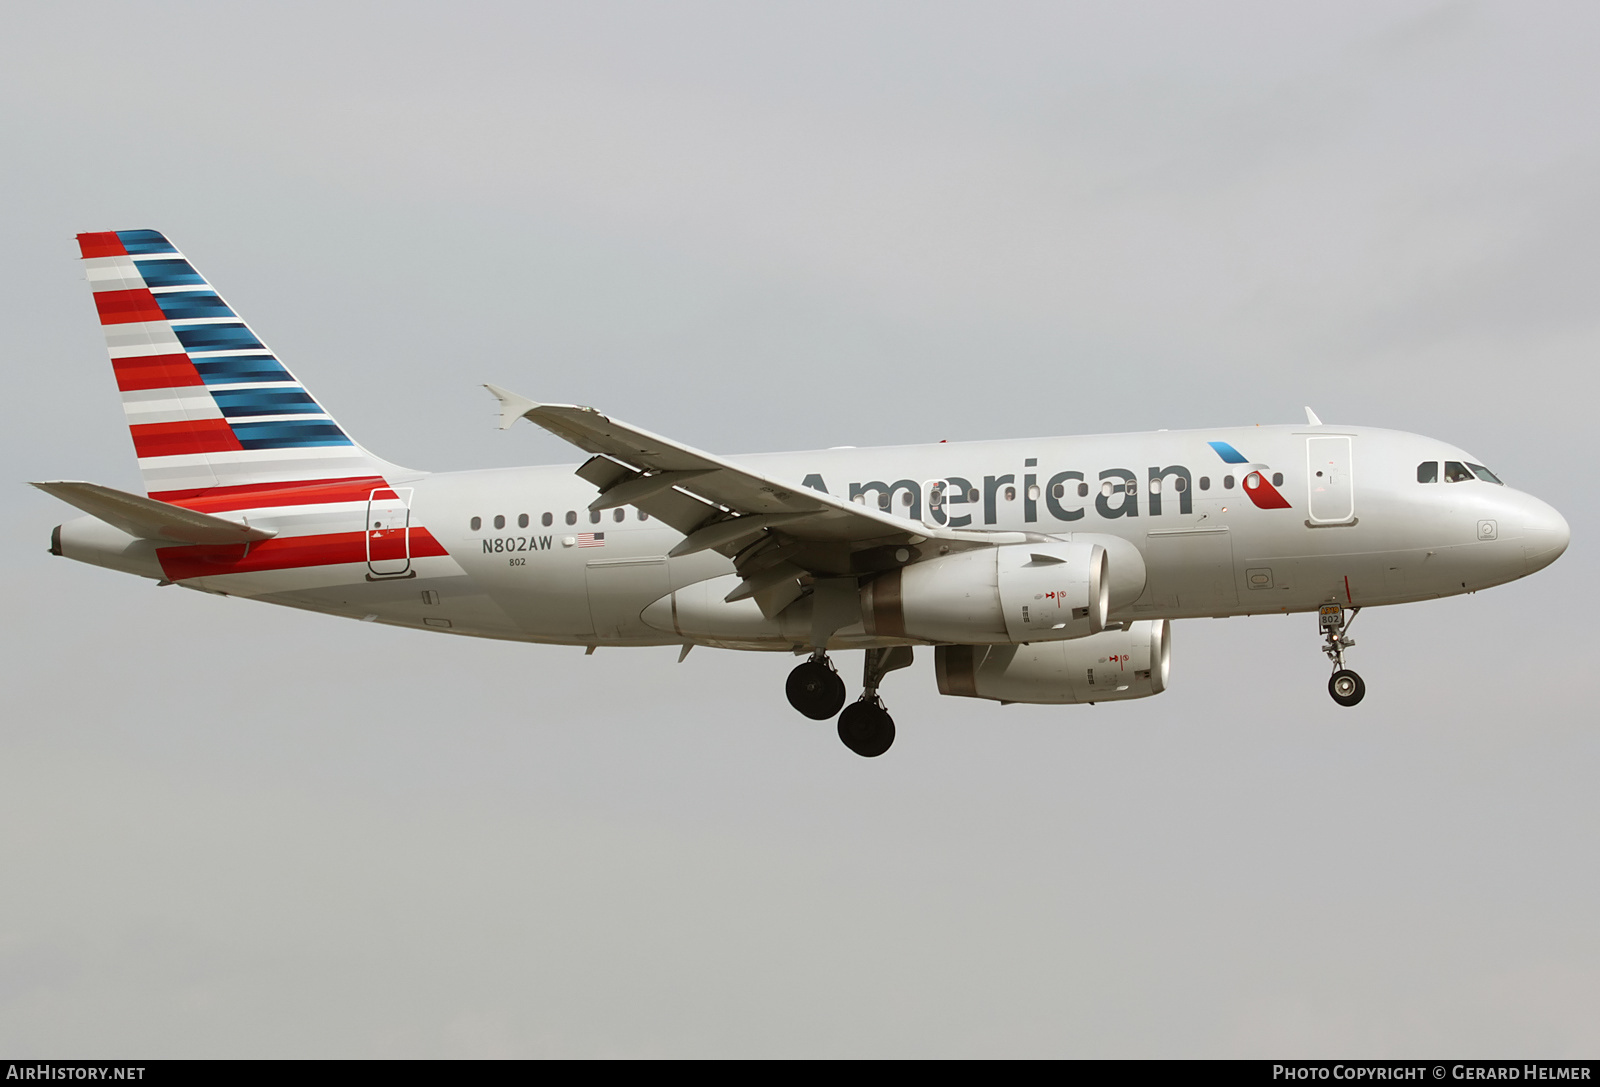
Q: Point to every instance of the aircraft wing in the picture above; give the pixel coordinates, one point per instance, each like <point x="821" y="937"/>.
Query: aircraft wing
<point x="774" y="530"/>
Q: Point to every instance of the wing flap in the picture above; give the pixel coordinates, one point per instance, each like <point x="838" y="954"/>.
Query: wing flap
<point x="670" y="506"/>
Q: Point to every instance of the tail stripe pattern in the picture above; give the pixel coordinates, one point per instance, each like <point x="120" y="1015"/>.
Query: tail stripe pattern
<point x="208" y="403"/>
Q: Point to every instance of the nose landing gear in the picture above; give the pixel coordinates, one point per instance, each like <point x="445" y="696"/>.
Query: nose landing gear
<point x="1345" y="686"/>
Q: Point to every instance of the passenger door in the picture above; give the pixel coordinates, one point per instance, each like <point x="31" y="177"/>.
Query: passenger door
<point x="388" y="533"/>
<point x="1330" y="480"/>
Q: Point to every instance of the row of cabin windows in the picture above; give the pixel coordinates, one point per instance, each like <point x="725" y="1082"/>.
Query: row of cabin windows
<point x="618" y="515"/>
<point x="1107" y="488"/>
<point x="1454" y="472"/>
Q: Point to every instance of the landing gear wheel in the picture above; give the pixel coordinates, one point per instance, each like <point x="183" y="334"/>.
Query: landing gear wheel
<point x="866" y="728"/>
<point x="1346" y="687"/>
<point x="816" y="690"/>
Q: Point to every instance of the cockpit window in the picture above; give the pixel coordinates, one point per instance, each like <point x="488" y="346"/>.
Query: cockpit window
<point x="1484" y="474"/>
<point x="1428" y="472"/>
<point x="1456" y="472"/>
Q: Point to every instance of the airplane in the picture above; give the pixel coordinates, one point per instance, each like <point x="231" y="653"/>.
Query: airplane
<point x="1037" y="570"/>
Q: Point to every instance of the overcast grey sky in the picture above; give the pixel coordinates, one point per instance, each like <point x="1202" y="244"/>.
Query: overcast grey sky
<point x="229" y="829"/>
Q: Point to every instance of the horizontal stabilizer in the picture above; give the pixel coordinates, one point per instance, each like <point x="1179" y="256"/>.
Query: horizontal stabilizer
<point x="149" y="519"/>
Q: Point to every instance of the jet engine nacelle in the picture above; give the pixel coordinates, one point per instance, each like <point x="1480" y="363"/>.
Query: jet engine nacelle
<point x="1111" y="665"/>
<point x="1011" y="593"/>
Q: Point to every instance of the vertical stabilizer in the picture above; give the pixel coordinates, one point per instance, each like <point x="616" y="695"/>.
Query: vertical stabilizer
<point x="208" y="403"/>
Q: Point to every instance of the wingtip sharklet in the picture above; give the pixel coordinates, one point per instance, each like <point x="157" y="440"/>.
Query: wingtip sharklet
<point x="512" y="405"/>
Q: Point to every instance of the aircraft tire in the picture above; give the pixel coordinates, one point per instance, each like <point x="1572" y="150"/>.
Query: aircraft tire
<point x="1346" y="687"/>
<point x="815" y="690"/>
<point x="867" y="729"/>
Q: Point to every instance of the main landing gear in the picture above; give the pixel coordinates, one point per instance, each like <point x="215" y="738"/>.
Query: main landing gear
<point x="865" y="727"/>
<point x="1345" y="686"/>
<point x="815" y="689"/>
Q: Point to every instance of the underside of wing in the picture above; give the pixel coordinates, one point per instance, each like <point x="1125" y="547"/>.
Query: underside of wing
<point x="777" y="532"/>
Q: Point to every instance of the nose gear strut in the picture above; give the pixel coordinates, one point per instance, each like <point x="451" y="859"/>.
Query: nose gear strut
<point x="1345" y="686"/>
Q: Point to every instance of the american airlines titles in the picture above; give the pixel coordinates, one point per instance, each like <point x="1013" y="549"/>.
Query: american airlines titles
<point x="1063" y="496"/>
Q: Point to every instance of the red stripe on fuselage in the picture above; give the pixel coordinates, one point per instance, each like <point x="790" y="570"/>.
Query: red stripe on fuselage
<point x="156" y="372"/>
<point x="102" y="244"/>
<point x="174" y="439"/>
<point x="291" y="553"/>
<point x="251" y="496"/>
<point x="125" y="307"/>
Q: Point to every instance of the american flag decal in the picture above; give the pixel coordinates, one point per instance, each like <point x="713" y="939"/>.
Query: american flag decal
<point x="591" y="539"/>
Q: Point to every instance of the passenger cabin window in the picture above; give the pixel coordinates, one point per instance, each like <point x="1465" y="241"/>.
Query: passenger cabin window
<point x="1456" y="472"/>
<point x="522" y="520"/>
<point x="619" y="514"/>
<point x="1205" y="483"/>
<point x="1227" y="483"/>
<point x="1083" y="490"/>
<point x="1011" y="494"/>
<point x="499" y="520"/>
<point x="594" y="517"/>
<point x="546" y="520"/>
<point x="476" y="523"/>
<point x="572" y="517"/>
<point x="1277" y="479"/>
<point x="1484" y="474"/>
<point x="643" y="516"/>
<point x="1428" y="472"/>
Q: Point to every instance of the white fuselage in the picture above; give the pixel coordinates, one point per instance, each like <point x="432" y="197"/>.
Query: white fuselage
<point x="513" y="553"/>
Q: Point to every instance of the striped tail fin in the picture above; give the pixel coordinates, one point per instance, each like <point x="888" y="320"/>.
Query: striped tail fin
<point x="211" y="409"/>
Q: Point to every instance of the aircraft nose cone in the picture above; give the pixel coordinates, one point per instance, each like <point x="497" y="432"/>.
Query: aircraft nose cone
<point x="1545" y="538"/>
